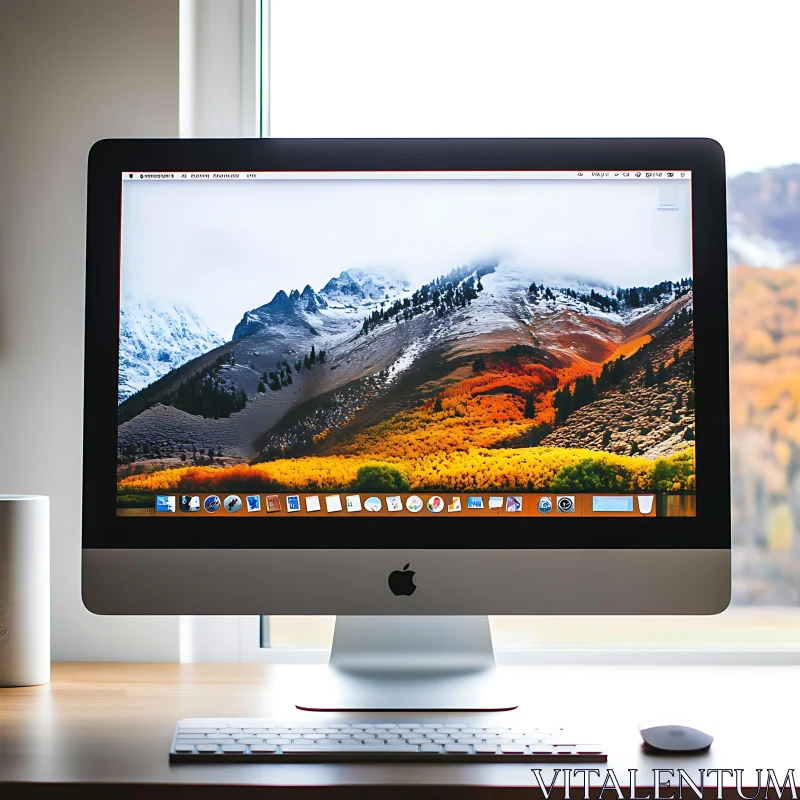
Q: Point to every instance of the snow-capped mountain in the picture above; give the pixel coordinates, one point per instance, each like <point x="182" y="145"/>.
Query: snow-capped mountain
<point x="356" y="287"/>
<point x="155" y="338"/>
<point x="764" y="217"/>
<point x="343" y="299"/>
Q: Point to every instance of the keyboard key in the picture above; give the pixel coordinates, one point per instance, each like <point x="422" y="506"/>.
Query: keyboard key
<point x="281" y="741"/>
<point x="498" y="730"/>
<point x="484" y="749"/>
<point x="196" y="730"/>
<point x="456" y="748"/>
<point x="327" y="730"/>
<point x="589" y="749"/>
<point x="214" y="740"/>
<point x="419" y="740"/>
<point x="233" y="748"/>
<point x="410" y="726"/>
<point x="263" y="748"/>
<point x="206" y="748"/>
<point x="473" y="731"/>
<point x="354" y="748"/>
<point x="301" y="731"/>
<point x="184" y="748"/>
<point x="313" y="736"/>
<point x="469" y="740"/>
<point x="430" y="748"/>
<point x="512" y="749"/>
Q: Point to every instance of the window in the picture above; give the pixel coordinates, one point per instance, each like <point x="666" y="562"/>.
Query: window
<point x="518" y="68"/>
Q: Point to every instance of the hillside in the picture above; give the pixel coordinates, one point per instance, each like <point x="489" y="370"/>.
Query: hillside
<point x="648" y="406"/>
<point x="471" y="371"/>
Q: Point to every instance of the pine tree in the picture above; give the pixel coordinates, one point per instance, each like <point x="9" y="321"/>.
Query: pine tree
<point x="261" y="387"/>
<point x="649" y="375"/>
<point x="661" y="375"/>
<point x="530" y="408"/>
<point x="479" y="364"/>
<point x="437" y="405"/>
<point x="312" y="359"/>
<point x="690" y="401"/>
<point x="562" y="402"/>
<point x="606" y="438"/>
<point x="306" y="362"/>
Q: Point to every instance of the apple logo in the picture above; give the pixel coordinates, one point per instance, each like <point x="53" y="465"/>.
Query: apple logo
<point x="401" y="582"/>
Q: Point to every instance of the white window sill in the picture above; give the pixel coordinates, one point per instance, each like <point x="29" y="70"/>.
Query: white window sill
<point x="745" y="656"/>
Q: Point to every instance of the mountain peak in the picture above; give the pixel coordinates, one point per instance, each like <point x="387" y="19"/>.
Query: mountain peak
<point x="155" y="338"/>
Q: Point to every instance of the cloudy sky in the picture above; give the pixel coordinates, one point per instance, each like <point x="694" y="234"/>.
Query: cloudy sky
<point x="221" y="248"/>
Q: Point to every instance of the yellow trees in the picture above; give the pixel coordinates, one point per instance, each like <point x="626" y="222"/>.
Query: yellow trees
<point x="470" y="469"/>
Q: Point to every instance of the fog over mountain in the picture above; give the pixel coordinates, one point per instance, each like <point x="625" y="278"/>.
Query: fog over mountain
<point x="764" y="217"/>
<point x="224" y="247"/>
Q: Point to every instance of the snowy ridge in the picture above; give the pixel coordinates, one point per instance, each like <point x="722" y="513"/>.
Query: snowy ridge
<point x="339" y="305"/>
<point x="155" y="339"/>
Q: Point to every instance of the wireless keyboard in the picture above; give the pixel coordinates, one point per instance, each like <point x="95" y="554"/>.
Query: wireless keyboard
<point x="250" y="740"/>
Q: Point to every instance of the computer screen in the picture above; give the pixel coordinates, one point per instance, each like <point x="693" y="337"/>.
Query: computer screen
<point x="406" y="344"/>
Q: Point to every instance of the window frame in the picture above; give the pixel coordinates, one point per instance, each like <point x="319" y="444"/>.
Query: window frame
<point x="242" y="108"/>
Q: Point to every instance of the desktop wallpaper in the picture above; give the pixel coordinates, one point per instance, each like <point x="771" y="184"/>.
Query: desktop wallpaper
<point x="406" y="335"/>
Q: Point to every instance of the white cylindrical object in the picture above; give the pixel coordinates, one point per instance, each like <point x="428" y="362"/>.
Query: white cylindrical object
<point x="24" y="590"/>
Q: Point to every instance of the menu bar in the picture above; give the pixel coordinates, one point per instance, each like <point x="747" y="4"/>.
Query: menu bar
<point x="622" y="175"/>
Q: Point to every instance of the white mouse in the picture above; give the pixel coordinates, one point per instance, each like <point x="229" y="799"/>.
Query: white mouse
<point x="672" y="737"/>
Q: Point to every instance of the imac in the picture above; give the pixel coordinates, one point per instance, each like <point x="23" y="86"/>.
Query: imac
<point x="408" y="382"/>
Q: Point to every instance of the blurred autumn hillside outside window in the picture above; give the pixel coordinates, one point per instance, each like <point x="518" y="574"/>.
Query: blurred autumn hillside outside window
<point x="765" y="384"/>
<point x="520" y="68"/>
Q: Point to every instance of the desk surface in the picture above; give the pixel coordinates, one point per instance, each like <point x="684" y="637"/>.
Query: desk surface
<point x="112" y="724"/>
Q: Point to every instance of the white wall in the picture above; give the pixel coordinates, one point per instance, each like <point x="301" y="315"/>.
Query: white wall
<point x="71" y="72"/>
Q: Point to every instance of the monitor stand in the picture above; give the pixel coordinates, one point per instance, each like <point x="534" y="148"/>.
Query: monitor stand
<point x="419" y="663"/>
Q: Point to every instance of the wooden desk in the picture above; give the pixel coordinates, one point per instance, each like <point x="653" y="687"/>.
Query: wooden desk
<point x="101" y="724"/>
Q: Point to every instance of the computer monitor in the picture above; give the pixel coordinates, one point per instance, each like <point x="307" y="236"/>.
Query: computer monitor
<point x="406" y="377"/>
